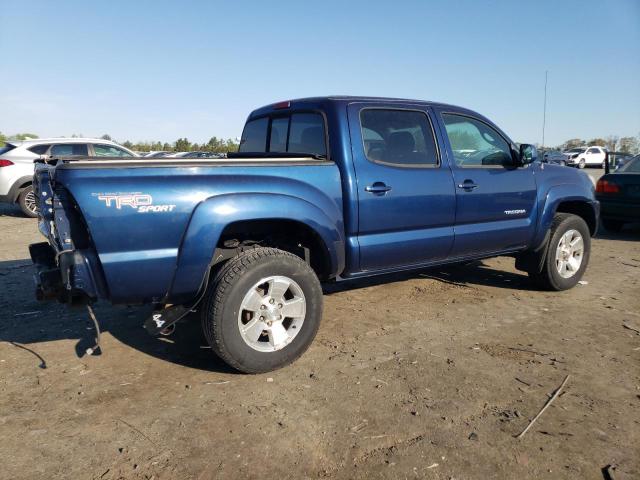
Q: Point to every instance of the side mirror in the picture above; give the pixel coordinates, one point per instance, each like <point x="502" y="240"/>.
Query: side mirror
<point x="528" y="154"/>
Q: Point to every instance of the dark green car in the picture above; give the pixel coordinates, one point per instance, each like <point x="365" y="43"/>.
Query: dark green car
<point x="619" y="196"/>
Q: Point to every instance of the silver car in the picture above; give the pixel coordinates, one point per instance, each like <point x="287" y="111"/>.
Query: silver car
<point x="17" y="156"/>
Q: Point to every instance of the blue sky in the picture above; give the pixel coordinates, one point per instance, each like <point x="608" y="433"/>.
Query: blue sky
<point x="146" y="70"/>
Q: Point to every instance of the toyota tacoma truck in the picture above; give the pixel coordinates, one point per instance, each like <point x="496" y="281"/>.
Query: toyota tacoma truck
<point x="321" y="190"/>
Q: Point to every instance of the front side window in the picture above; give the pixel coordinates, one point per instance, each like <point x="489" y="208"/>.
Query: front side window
<point x="301" y="133"/>
<point x="70" y="150"/>
<point x="110" y="151"/>
<point x="398" y="137"/>
<point x="593" y="150"/>
<point x="476" y="144"/>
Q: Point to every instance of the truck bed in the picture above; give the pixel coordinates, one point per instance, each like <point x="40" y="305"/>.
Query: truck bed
<point x="135" y="214"/>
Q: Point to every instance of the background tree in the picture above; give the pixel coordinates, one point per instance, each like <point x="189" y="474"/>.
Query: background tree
<point x="182" y="145"/>
<point x="573" y="143"/>
<point x="3" y="138"/>
<point x="107" y="137"/>
<point x="629" y="145"/>
<point x="23" y="136"/>
<point x="611" y="142"/>
<point x="596" y="141"/>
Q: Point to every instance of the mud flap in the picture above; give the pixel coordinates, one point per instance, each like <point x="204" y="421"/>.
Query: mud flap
<point x="533" y="260"/>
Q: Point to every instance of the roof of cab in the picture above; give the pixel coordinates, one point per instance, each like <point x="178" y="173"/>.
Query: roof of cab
<point x="342" y="99"/>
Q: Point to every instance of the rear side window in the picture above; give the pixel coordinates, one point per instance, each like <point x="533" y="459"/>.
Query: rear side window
<point x="39" y="149"/>
<point x="110" y="151"/>
<point x="70" y="150"/>
<point x="302" y="133"/>
<point x="632" y="166"/>
<point x="398" y="137"/>
<point x="6" y="148"/>
<point x="254" y="136"/>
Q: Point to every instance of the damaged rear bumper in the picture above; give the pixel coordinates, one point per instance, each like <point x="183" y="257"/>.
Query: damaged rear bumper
<point x="67" y="277"/>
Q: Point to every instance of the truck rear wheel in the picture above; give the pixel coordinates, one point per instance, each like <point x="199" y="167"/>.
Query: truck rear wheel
<point x="567" y="254"/>
<point x="262" y="310"/>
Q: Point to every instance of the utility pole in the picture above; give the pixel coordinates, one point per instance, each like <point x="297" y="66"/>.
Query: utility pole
<point x="544" y="111"/>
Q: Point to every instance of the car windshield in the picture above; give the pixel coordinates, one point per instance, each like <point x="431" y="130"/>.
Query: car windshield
<point x="632" y="166"/>
<point x="576" y="150"/>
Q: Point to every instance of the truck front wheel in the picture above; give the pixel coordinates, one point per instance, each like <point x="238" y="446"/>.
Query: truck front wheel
<point x="263" y="310"/>
<point x="567" y="253"/>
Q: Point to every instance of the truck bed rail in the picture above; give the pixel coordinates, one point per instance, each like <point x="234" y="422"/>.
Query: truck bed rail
<point x="139" y="162"/>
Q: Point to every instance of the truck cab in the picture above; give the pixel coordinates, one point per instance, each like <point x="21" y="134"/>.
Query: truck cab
<point x="322" y="189"/>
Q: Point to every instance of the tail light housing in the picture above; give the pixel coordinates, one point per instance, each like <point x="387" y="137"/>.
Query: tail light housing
<point x="5" y="163"/>
<point x="607" y="186"/>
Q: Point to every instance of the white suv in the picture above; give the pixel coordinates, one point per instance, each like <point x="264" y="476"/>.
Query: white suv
<point x="586" y="156"/>
<point x="17" y="156"/>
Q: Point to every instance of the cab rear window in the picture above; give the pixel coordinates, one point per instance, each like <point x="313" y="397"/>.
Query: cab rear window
<point x="302" y="133"/>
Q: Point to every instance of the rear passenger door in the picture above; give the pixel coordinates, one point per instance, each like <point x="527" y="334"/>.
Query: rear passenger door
<point x="406" y="197"/>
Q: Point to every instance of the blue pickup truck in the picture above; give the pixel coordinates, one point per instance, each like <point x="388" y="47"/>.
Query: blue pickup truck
<point x="322" y="189"/>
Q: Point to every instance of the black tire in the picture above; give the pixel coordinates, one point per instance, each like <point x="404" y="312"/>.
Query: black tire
<point x="614" y="226"/>
<point x="26" y="202"/>
<point x="549" y="278"/>
<point x="221" y="309"/>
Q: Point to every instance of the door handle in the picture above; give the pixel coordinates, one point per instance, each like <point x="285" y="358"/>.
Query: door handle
<point x="378" y="188"/>
<point x="468" y="185"/>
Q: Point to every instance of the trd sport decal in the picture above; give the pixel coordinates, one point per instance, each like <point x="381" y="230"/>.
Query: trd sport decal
<point x="141" y="202"/>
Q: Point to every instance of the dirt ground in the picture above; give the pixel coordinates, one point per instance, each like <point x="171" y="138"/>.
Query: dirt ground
<point x="426" y="375"/>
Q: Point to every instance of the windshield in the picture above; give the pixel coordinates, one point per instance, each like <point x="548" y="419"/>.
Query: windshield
<point x="632" y="166"/>
<point x="576" y="150"/>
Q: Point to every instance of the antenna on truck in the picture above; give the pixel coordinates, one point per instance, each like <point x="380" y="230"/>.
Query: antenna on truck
<point x="544" y="108"/>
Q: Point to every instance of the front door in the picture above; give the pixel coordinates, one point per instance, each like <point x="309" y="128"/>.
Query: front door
<point x="406" y="197"/>
<point x="495" y="200"/>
